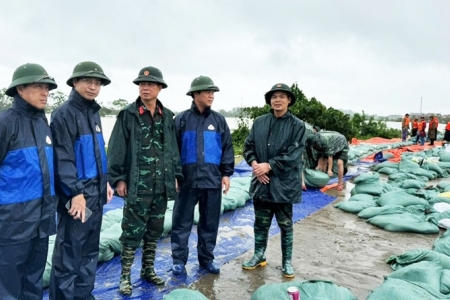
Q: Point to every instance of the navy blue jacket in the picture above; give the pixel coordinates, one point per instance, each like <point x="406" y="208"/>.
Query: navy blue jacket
<point x="204" y="141"/>
<point x="80" y="156"/>
<point x="27" y="205"/>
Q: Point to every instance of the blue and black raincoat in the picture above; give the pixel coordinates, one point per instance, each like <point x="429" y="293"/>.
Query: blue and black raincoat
<point x="27" y="205"/>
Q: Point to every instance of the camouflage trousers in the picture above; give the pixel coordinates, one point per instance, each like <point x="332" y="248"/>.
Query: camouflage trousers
<point x="264" y="212"/>
<point x="143" y="220"/>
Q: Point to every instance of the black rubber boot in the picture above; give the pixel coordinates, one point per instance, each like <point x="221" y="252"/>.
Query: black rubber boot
<point x="286" y="250"/>
<point x="258" y="259"/>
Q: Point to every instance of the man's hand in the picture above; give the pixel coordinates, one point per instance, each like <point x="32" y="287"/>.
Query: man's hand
<point x="261" y="169"/>
<point x="264" y="179"/>
<point x="121" y="189"/>
<point x="109" y="193"/>
<point x="225" y="184"/>
<point x="330" y="173"/>
<point x="78" y="208"/>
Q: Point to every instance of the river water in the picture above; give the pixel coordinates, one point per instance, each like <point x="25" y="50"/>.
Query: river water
<point x="108" y="124"/>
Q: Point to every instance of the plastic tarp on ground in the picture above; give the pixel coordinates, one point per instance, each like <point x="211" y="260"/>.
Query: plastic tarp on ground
<point x="309" y="290"/>
<point x="235" y="238"/>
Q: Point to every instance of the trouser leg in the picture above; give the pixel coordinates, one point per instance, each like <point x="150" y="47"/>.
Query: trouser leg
<point x="75" y="256"/>
<point x="182" y="220"/>
<point x="154" y="230"/>
<point x="263" y="220"/>
<point x="210" y="202"/>
<point x="134" y="221"/>
<point x="34" y="269"/>
<point x="21" y="269"/>
<point x="283" y="214"/>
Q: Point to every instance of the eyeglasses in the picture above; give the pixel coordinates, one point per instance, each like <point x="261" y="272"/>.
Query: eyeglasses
<point x="90" y="81"/>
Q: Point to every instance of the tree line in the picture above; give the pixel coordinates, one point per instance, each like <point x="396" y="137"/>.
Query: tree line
<point x="312" y="111"/>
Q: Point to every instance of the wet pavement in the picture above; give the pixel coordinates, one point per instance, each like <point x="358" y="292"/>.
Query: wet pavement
<point x="328" y="245"/>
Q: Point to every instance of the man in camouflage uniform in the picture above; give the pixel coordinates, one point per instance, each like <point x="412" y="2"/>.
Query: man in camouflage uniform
<point x="332" y="146"/>
<point x="144" y="164"/>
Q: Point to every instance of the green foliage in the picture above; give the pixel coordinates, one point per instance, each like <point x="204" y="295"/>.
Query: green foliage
<point x="119" y="104"/>
<point x="5" y="100"/>
<point x="56" y="99"/>
<point x="315" y="113"/>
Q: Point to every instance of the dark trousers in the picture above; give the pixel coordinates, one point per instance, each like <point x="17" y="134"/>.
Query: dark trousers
<point x="21" y="269"/>
<point x="264" y="212"/>
<point x="210" y="202"/>
<point x="75" y="256"/>
<point x="143" y="220"/>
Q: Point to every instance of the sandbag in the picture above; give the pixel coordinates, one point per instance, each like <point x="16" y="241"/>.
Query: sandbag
<point x="354" y="207"/>
<point x="399" y="289"/>
<point x="443" y="165"/>
<point x="434" y="167"/>
<point x="362" y="197"/>
<point x="443" y="184"/>
<point x="445" y="282"/>
<point x="416" y="255"/>
<point x="405" y="222"/>
<point x="184" y="294"/>
<point x="367" y="178"/>
<point x="403" y="176"/>
<point x="444" y="156"/>
<point x="400" y="197"/>
<point x="315" y="178"/>
<point x="371" y="212"/>
<point x="371" y="188"/>
<point x="412" y="184"/>
<point x="309" y="290"/>
<point x="388" y="171"/>
<point x="442" y="243"/>
<point x="385" y="164"/>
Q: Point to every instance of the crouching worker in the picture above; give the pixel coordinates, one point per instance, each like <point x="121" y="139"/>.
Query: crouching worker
<point x="274" y="149"/>
<point x="27" y="205"/>
<point x="332" y="146"/>
<point x="143" y="164"/>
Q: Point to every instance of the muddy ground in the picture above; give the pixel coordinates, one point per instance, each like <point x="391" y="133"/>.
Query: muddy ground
<point x="328" y="245"/>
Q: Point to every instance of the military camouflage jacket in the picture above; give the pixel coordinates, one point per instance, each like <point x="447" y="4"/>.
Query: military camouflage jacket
<point x="330" y="142"/>
<point x="124" y="150"/>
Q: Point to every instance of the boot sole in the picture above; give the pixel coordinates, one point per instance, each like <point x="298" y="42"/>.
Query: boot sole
<point x="289" y="275"/>
<point x="262" y="264"/>
<point x="154" y="282"/>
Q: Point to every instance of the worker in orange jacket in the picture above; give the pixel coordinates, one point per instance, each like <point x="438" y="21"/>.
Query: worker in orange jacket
<point x="415" y="127"/>
<point x="405" y="127"/>
<point x="447" y="133"/>
<point x="421" y="131"/>
<point x="432" y="129"/>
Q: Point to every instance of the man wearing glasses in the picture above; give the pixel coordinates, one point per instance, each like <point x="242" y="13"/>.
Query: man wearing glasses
<point x="27" y="204"/>
<point x="144" y="166"/>
<point x="81" y="184"/>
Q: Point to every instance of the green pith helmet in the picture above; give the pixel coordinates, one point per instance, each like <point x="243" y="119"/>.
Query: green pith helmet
<point x="88" y="69"/>
<point x="150" y="74"/>
<point x="281" y="87"/>
<point x="30" y="73"/>
<point x="202" y="83"/>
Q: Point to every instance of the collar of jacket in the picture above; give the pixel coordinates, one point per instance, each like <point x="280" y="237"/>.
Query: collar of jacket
<point x="286" y="115"/>
<point x="139" y="103"/>
<point x="134" y="107"/>
<point x="25" y="108"/>
<point x="82" y="103"/>
<point x="195" y="109"/>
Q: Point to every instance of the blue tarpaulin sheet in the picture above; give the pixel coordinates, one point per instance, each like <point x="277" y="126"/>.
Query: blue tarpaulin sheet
<point x="235" y="238"/>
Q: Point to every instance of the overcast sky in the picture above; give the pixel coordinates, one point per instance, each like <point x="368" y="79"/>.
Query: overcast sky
<point x="377" y="56"/>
